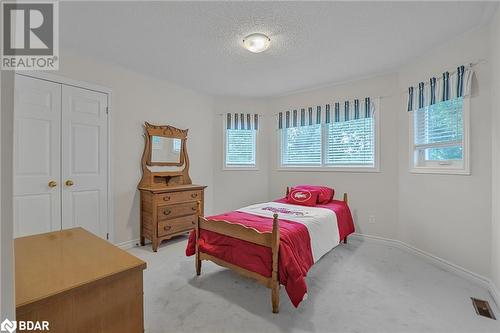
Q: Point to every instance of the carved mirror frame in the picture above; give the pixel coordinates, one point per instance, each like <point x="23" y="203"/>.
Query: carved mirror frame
<point x="152" y="178"/>
<point x="166" y="132"/>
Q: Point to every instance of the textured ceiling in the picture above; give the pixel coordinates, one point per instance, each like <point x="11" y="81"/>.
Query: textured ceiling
<point x="198" y="44"/>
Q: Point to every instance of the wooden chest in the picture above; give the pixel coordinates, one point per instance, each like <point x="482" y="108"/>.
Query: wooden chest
<point x="77" y="282"/>
<point x="169" y="211"/>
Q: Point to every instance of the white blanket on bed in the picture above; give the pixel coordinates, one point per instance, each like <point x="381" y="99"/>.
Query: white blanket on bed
<point x="320" y="222"/>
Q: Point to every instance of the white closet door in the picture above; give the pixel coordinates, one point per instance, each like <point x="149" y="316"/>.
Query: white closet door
<point x="37" y="152"/>
<point x="84" y="162"/>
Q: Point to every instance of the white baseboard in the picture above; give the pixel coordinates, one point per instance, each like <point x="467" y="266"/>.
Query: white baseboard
<point x="442" y="263"/>
<point x="495" y="294"/>
<point x="128" y="244"/>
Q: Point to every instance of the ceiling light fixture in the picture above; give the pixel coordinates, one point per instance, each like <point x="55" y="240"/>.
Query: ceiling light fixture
<point x="256" y="43"/>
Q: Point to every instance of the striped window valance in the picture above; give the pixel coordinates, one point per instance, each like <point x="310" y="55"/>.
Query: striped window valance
<point x="349" y="110"/>
<point x="443" y="88"/>
<point x="243" y="121"/>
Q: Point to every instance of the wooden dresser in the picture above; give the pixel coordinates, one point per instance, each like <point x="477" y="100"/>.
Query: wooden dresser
<point x="78" y="282"/>
<point x="169" y="211"/>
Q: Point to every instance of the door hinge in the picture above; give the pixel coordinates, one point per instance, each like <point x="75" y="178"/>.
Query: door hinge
<point x="107" y="236"/>
<point x="107" y="109"/>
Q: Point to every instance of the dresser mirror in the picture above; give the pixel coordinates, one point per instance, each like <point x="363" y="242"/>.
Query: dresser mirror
<point x="165" y="151"/>
<point x="165" y="160"/>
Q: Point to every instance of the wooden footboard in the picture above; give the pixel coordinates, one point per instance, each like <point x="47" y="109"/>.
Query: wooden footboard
<point x="269" y="239"/>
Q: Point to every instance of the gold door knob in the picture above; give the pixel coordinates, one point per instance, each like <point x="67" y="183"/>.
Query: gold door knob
<point x="52" y="183"/>
<point x="69" y="182"/>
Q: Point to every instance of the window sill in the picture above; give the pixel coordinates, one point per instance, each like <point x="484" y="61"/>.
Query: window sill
<point x="440" y="171"/>
<point x="242" y="168"/>
<point x="331" y="169"/>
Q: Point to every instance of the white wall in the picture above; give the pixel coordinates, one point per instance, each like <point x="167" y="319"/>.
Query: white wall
<point x="6" y="193"/>
<point x="135" y="99"/>
<point x="235" y="189"/>
<point x="450" y="215"/>
<point x="495" y="107"/>
<point x="370" y="193"/>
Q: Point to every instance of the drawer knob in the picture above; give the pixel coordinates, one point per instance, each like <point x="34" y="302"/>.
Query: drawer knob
<point x="166" y="198"/>
<point x="167" y="212"/>
<point x="167" y="227"/>
<point x="194" y="195"/>
<point x="194" y="209"/>
<point x="193" y="222"/>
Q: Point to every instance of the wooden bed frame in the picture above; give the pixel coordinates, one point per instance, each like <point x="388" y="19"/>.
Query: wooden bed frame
<point x="268" y="239"/>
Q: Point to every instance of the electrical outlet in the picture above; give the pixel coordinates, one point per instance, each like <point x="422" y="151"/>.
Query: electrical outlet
<point x="371" y="219"/>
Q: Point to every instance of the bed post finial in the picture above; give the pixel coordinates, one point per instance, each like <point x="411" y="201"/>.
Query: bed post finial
<point x="346" y="199"/>
<point x="275" y="285"/>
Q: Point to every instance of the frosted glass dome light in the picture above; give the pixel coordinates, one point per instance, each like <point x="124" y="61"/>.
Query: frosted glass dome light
<point x="256" y="42"/>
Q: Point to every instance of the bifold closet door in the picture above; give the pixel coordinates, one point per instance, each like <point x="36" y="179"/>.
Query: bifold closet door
<point x="37" y="153"/>
<point x="85" y="156"/>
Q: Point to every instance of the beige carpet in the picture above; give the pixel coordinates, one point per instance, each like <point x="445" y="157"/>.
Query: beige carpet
<point x="358" y="287"/>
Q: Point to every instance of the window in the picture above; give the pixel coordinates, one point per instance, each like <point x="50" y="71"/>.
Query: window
<point x="439" y="137"/>
<point x="347" y="143"/>
<point x="439" y="123"/>
<point x="240" y="141"/>
<point x="241" y="148"/>
<point x="157" y="142"/>
<point x="176" y="145"/>
<point x="351" y="143"/>
<point x="301" y="146"/>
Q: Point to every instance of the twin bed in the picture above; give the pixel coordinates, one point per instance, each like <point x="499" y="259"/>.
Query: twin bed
<point x="274" y="243"/>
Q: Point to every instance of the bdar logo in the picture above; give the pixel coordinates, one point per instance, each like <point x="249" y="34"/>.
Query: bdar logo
<point x="24" y="325"/>
<point x="8" y="326"/>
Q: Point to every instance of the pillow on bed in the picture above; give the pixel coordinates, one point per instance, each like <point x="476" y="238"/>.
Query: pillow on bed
<point x="302" y="197"/>
<point x="325" y="194"/>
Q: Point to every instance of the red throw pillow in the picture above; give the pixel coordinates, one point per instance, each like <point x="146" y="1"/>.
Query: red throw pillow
<point x="325" y="194"/>
<point x="302" y="197"/>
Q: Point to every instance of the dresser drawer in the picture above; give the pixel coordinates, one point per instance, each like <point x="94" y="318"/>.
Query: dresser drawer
<point x="170" y="212"/>
<point x="175" y="197"/>
<point x="176" y="225"/>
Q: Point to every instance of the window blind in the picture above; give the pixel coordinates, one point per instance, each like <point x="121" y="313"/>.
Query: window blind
<point x="301" y="146"/>
<point x="350" y="143"/>
<point x="438" y="130"/>
<point x="240" y="147"/>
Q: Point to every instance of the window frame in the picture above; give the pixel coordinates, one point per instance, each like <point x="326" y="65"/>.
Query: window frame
<point x="235" y="167"/>
<point x="329" y="168"/>
<point x="449" y="167"/>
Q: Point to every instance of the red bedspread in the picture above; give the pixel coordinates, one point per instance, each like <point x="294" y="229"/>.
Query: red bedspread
<point x="295" y="255"/>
